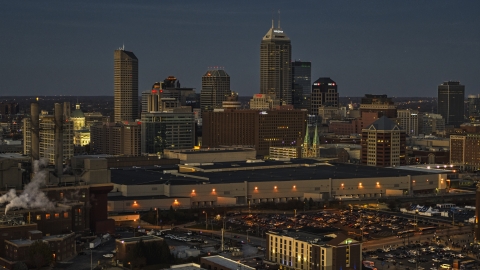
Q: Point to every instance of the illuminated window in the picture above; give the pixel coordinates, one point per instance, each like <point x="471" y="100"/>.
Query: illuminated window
<point x="65" y="214"/>
<point x="47" y="216"/>
<point x="39" y="217"/>
<point x="57" y="215"/>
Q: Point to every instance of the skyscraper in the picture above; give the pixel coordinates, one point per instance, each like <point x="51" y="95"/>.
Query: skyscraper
<point x="324" y="94"/>
<point x="451" y="96"/>
<point x="125" y="85"/>
<point x="473" y="107"/>
<point x="215" y="89"/>
<point x="275" y="65"/>
<point x="301" y="83"/>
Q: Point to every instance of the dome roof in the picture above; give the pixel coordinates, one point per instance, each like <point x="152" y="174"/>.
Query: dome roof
<point x="77" y="113"/>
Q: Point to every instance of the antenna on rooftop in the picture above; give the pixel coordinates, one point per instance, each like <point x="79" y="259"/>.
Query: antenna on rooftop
<point x="279" y="18"/>
<point x="272" y="18"/>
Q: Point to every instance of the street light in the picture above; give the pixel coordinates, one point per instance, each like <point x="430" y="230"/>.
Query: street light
<point x="91" y="255"/>
<point x="206" y="220"/>
<point x="416" y="219"/>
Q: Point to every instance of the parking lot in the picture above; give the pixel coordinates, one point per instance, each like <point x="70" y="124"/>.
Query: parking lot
<point x="372" y="224"/>
<point x="422" y="255"/>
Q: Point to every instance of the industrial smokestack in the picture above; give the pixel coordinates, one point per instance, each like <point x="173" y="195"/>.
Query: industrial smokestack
<point x="34" y="128"/>
<point x="59" y="140"/>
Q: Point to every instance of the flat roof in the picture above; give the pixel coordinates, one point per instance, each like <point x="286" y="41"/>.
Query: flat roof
<point x="211" y="151"/>
<point x="303" y="236"/>
<point x="14" y="156"/>
<point x="138" y="238"/>
<point x="227" y="263"/>
<point x="22" y="242"/>
<point x="238" y="172"/>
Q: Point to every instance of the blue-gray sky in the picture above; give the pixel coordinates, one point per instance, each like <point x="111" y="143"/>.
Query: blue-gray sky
<point x="399" y="48"/>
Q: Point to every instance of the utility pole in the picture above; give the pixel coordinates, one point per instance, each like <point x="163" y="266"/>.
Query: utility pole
<point x="295" y="217"/>
<point x="223" y="232"/>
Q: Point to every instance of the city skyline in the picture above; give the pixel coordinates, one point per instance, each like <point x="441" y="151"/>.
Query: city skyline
<point x="398" y="49"/>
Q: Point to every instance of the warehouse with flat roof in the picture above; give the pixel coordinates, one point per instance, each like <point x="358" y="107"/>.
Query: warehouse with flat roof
<point x="255" y="181"/>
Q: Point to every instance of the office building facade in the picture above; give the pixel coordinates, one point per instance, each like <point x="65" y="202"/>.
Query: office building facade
<point x="275" y="65"/>
<point x="215" y="89"/>
<point x="167" y="130"/>
<point x="465" y="151"/>
<point x="301" y="83"/>
<point x="381" y="104"/>
<point x="324" y="94"/>
<point x="125" y="80"/>
<point x="408" y="121"/>
<point x="262" y="130"/>
<point x="451" y="96"/>
<point x="264" y="102"/>
<point x="473" y="107"/>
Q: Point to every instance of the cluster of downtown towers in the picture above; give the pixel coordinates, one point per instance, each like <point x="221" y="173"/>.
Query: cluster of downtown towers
<point x="286" y="81"/>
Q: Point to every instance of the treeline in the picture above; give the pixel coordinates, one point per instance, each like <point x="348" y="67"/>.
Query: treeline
<point x="149" y="253"/>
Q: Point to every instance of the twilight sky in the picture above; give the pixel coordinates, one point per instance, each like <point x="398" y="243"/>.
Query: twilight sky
<point x="399" y="48"/>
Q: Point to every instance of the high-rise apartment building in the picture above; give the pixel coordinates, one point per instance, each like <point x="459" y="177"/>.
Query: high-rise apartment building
<point x="116" y="138"/>
<point x="275" y="65"/>
<point x="408" y="121"/>
<point x="262" y="130"/>
<point x="324" y="94"/>
<point x="215" y="89"/>
<point x="47" y="140"/>
<point x="125" y="86"/>
<point x="451" y="96"/>
<point x="301" y="83"/>
<point x="383" y="144"/>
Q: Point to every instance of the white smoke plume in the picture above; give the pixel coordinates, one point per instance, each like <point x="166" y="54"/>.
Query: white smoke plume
<point x="32" y="196"/>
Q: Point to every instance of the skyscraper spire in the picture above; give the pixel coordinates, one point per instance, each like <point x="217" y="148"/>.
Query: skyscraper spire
<point x="273" y="12"/>
<point x="306" y="140"/>
<point x="315" y="137"/>
<point x="279" y="18"/>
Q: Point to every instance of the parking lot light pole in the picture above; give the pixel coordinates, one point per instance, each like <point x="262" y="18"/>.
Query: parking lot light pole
<point x="206" y="220"/>
<point x="91" y="256"/>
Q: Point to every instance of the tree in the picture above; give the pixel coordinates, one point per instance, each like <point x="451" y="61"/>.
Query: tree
<point x="39" y="254"/>
<point x="311" y="203"/>
<point x="20" y="266"/>
<point x="392" y="205"/>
